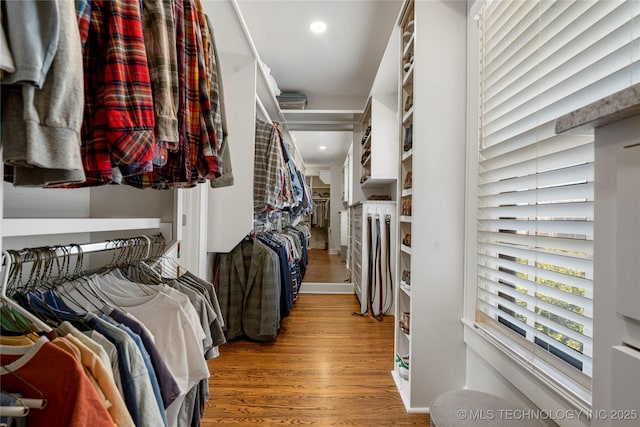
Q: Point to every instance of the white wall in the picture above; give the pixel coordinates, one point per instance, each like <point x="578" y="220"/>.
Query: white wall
<point x="336" y="206"/>
<point x="230" y="209"/>
<point x="609" y="327"/>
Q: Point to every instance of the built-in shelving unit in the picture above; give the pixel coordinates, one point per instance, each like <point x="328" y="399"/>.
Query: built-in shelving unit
<point x="401" y="374"/>
<point x="430" y="214"/>
<point x="365" y="160"/>
<point x="378" y="153"/>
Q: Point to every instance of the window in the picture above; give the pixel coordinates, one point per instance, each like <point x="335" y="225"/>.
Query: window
<point x="540" y="60"/>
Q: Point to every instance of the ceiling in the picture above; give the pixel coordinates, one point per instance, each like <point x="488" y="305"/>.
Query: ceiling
<point x="336" y="146"/>
<point x="335" y="69"/>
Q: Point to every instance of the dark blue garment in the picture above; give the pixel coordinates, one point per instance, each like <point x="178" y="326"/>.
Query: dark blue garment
<point x="286" y="294"/>
<point x="169" y="389"/>
<point x="34" y="303"/>
<point x="128" y="388"/>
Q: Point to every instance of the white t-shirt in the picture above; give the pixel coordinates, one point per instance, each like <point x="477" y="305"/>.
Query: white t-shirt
<point x="174" y="334"/>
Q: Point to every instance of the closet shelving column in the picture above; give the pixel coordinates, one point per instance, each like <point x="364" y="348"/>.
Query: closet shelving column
<point x="403" y="306"/>
<point x="365" y="159"/>
<point x="432" y="207"/>
<point x="379" y="142"/>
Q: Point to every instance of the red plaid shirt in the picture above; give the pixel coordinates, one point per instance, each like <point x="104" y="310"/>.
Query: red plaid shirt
<point x="196" y="159"/>
<point x="207" y="161"/>
<point x="176" y="169"/>
<point x="119" y="115"/>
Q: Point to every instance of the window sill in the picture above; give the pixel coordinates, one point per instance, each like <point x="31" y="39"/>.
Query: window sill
<point x="542" y="389"/>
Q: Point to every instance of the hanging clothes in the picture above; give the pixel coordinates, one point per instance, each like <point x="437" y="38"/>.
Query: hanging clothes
<point x="268" y="175"/>
<point x="220" y="117"/>
<point x="196" y="157"/>
<point x="320" y="213"/>
<point x="292" y="177"/>
<point x="159" y="40"/>
<point x="122" y="92"/>
<point x="71" y="399"/>
<point x="153" y="337"/>
<point x="259" y="281"/>
<point x="7" y="65"/>
<point x="43" y="99"/>
<point x="249" y="291"/>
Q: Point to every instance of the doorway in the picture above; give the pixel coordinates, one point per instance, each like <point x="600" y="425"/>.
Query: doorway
<point x="326" y="263"/>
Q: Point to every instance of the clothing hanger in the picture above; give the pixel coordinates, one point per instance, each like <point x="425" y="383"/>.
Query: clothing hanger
<point x="7" y="260"/>
<point x="12" y="321"/>
<point x="136" y="270"/>
<point x="19" y="410"/>
<point x="31" y="403"/>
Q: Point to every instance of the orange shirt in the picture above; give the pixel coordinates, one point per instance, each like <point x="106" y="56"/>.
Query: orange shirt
<point x="71" y="399"/>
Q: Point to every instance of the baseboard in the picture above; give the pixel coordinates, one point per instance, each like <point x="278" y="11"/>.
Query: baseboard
<point x="326" y="288"/>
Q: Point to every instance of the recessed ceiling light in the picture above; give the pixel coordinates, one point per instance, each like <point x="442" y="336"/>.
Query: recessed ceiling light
<point x="318" y="27"/>
<point x="322" y="147"/>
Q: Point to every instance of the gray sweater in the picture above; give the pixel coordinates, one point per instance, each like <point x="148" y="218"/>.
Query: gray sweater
<point x="41" y="127"/>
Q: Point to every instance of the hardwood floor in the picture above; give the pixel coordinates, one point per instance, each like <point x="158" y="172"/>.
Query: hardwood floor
<point x="325" y="268"/>
<point x="326" y="368"/>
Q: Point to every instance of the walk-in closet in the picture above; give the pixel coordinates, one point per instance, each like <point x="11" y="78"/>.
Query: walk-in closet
<point x="301" y="212"/>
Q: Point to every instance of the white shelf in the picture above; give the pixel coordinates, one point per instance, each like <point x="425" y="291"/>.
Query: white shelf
<point x="408" y="115"/>
<point x="367" y="141"/>
<point x="319" y="120"/>
<point x="367" y="160"/>
<point x="14" y="227"/>
<point x="403" y="388"/>
<point x="405" y="288"/>
<point x="407" y="192"/>
<point x="406" y="249"/>
<point x="408" y="76"/>
<point x="407" y="46"/>
<point x="406" y="218"/>
<point x="407" y="155"/>
<point x="372" y="182"/>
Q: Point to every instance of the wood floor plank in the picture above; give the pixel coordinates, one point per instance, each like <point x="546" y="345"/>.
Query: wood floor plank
<point x="328" y="367"/>
<point x="325" y="268"/>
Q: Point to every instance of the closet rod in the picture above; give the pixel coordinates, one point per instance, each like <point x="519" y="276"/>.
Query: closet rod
<point x="27" y="254"/>
<point x="262" y="110"/>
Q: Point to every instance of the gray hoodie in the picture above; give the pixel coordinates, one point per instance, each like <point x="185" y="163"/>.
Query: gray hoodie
<point x="41" y="127"/>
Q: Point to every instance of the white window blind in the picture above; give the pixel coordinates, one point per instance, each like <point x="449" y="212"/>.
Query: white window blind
<point x="538" y="61"/>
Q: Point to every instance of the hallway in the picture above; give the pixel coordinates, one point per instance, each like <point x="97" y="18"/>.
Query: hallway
<point x="327" y="367"/>
<point x="325" y="268"/>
